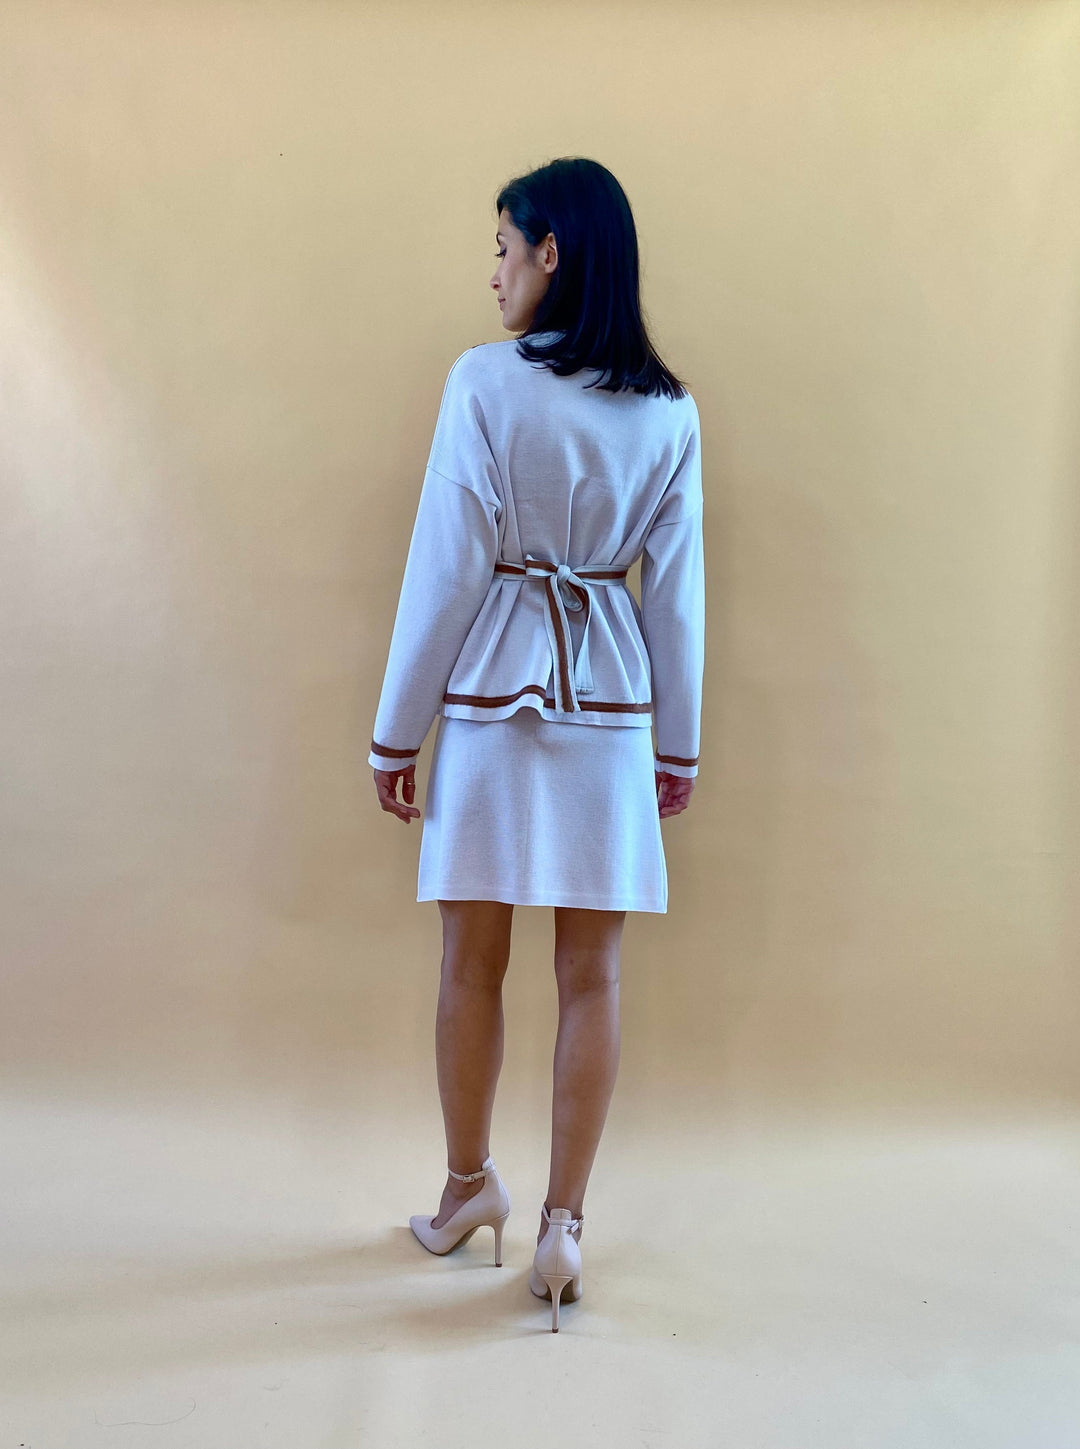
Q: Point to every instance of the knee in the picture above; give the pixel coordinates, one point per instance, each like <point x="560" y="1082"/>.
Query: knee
<point x="476" y="969"/>
<point x="579" y="970"/>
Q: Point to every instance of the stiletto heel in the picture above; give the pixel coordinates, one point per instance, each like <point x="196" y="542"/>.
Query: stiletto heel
<point x="556" y="1282"/>
<point x="489" y="1208"/>
<point x="557" y="1261"/>
<point x="498" y="1225"/>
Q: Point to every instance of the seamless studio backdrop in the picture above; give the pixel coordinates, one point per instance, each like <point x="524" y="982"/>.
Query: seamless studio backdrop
<point x="241" y="248"/>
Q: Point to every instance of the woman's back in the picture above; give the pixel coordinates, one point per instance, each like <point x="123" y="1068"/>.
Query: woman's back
<point x="529" y="469"/>
<point x="579" y="472"/>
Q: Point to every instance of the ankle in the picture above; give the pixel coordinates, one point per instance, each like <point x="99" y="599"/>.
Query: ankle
<point x="575" y="1231"/>
<point x="574" y="1204"/>
<point x="464" y="1189"/>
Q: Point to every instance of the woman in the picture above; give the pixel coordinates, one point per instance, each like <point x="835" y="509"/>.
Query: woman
<point x="560" y="457"/>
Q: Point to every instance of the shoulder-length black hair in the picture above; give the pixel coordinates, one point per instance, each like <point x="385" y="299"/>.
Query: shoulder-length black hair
<point x="593" y="302"/>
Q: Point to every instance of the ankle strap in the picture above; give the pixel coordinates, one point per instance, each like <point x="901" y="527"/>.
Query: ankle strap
<point x="572" y="1224"/>
<point x="472" y="1176"/>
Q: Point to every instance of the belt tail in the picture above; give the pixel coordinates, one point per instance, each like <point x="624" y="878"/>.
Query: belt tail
<point x="583" y="679"/>
<point x="562" y="649"/>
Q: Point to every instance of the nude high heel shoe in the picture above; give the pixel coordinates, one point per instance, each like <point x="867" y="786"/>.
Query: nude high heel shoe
<point x="556" y="1266"/>
<point x="489" y="1208"/>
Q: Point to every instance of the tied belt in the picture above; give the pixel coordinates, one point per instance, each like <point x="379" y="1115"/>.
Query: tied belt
<point x="572" y="676"/>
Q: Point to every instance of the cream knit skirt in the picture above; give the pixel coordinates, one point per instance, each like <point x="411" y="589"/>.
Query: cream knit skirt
<point x="538" y="813"/>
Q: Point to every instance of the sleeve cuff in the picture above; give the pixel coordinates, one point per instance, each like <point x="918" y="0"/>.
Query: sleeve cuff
<point x="670" y="765"/>
<point x="384" y="758"/>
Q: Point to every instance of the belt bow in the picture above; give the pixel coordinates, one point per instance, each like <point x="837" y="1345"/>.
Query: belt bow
<point x="572" y="676"/>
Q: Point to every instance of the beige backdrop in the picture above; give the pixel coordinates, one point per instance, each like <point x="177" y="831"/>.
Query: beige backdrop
<point x="241" y="247"/>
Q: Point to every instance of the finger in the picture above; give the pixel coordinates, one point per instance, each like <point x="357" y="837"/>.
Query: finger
<point x="408" y="792"/>
<point x="403" y="812"/>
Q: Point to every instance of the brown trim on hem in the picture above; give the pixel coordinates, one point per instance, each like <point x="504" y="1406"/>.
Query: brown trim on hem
<point x="495" y="701"/>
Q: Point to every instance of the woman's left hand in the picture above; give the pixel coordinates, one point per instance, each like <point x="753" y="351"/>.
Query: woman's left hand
<point x="386" y="785"/>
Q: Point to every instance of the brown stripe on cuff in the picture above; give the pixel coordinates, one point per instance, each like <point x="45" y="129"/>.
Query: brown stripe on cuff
<point x="391" y="754"/>
<point x="677" y="760"/>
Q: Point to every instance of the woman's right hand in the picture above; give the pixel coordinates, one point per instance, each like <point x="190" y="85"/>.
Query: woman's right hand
<point x="673" y="793"/>
<point x="386" y="786"/>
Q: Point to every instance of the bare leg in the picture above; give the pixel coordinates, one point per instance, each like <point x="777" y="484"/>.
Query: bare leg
<point x="587" y="945"/>
<point x="469" y="1035"/>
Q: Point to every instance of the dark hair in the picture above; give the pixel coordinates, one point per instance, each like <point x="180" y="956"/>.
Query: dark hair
<point x="593" y="299"/>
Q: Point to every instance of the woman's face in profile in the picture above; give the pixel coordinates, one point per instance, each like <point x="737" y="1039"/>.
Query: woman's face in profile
<point x="523" y="274"/>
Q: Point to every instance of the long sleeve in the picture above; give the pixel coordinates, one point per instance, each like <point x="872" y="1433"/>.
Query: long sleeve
<point x="673" y="616"/>
<point x="448" y="571"/>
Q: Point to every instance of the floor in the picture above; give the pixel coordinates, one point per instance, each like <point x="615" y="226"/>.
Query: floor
<point x="234" y="1275"/>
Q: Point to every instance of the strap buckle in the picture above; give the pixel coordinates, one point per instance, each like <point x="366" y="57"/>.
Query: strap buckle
<point x="472" y="1176"/>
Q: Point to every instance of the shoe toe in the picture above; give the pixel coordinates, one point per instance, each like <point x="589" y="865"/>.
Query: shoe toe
<point x="422" y="1228"/>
